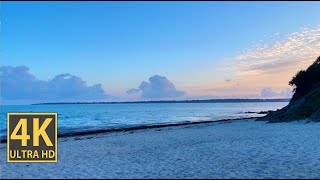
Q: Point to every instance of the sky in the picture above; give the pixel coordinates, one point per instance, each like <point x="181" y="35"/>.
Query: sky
<point x="125" y="51"/>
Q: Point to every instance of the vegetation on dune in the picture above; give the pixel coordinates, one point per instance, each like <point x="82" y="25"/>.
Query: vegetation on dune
<point x="305" y="103"/>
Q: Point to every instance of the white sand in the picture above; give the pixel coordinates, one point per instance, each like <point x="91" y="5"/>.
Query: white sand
<point x="242" y="149"/>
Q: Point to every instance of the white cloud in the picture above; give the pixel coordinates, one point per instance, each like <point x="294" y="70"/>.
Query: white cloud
<point x="270" y="63"/>
<point x="292" y="51"/>
<point x="18" y="84"/>
<point x="269" y="93"/>
<point x="158" y="87"/>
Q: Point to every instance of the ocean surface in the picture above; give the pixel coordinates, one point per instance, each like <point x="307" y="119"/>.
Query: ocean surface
<point x="88" y="117"/>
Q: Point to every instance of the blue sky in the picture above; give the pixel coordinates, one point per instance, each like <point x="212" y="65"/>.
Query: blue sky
<point x="120" y="44"/>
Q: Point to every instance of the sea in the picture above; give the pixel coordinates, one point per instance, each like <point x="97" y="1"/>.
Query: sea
<point x="74" y="118"/>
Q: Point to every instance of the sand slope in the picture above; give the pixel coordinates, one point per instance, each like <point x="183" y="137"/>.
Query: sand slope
<point x="240" y="149"/>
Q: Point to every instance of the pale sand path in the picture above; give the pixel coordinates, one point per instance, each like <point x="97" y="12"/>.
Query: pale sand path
<point x="240" y="149"/>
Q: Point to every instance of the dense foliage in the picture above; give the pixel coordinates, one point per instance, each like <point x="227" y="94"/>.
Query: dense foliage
<point x="305" y="103"/>
<point x="306" y="80"/>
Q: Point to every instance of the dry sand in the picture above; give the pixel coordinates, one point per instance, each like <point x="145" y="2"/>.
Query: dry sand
<point x="240" y="149"/>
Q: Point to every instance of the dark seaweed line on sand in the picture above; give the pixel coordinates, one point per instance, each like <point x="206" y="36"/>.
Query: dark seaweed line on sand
<point x="140" y="127"/>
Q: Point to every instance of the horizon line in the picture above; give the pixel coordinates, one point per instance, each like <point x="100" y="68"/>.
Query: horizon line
<point x="177" y="101"/>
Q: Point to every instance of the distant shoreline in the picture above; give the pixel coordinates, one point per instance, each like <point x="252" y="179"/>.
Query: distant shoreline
<point x="177" y="101"/>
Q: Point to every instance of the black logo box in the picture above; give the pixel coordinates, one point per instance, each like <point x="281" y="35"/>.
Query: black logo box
<point x="15" y="145"/>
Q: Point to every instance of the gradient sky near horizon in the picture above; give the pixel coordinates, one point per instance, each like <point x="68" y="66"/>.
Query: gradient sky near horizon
<point x="198" y="49"/>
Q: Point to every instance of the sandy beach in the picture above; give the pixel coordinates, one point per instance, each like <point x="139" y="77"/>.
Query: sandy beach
<point x="236" y="149"/>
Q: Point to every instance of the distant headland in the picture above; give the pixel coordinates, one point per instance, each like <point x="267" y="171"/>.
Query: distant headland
<point x="177" y="101"/>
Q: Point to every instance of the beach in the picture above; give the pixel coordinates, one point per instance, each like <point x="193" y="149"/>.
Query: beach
<point x="230" y="149"/>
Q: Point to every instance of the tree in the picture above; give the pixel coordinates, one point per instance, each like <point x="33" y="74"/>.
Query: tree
<point x="306" y="80"/>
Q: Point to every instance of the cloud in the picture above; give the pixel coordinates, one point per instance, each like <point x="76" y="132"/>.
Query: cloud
<point x="288" y="52"/>
<point x="158" y="87"/>
<point x="133" y="91"/>
<point x="269" y="93"/>
<point x="18" y="83"/>
<point x="270" y="63"/>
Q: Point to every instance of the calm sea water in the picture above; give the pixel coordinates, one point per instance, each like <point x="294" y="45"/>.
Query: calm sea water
<point x="82" y="117"/>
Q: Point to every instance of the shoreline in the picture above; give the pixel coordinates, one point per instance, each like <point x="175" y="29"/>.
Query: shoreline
<point x="149" y="126"/>
<point x="141" y="127"/>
